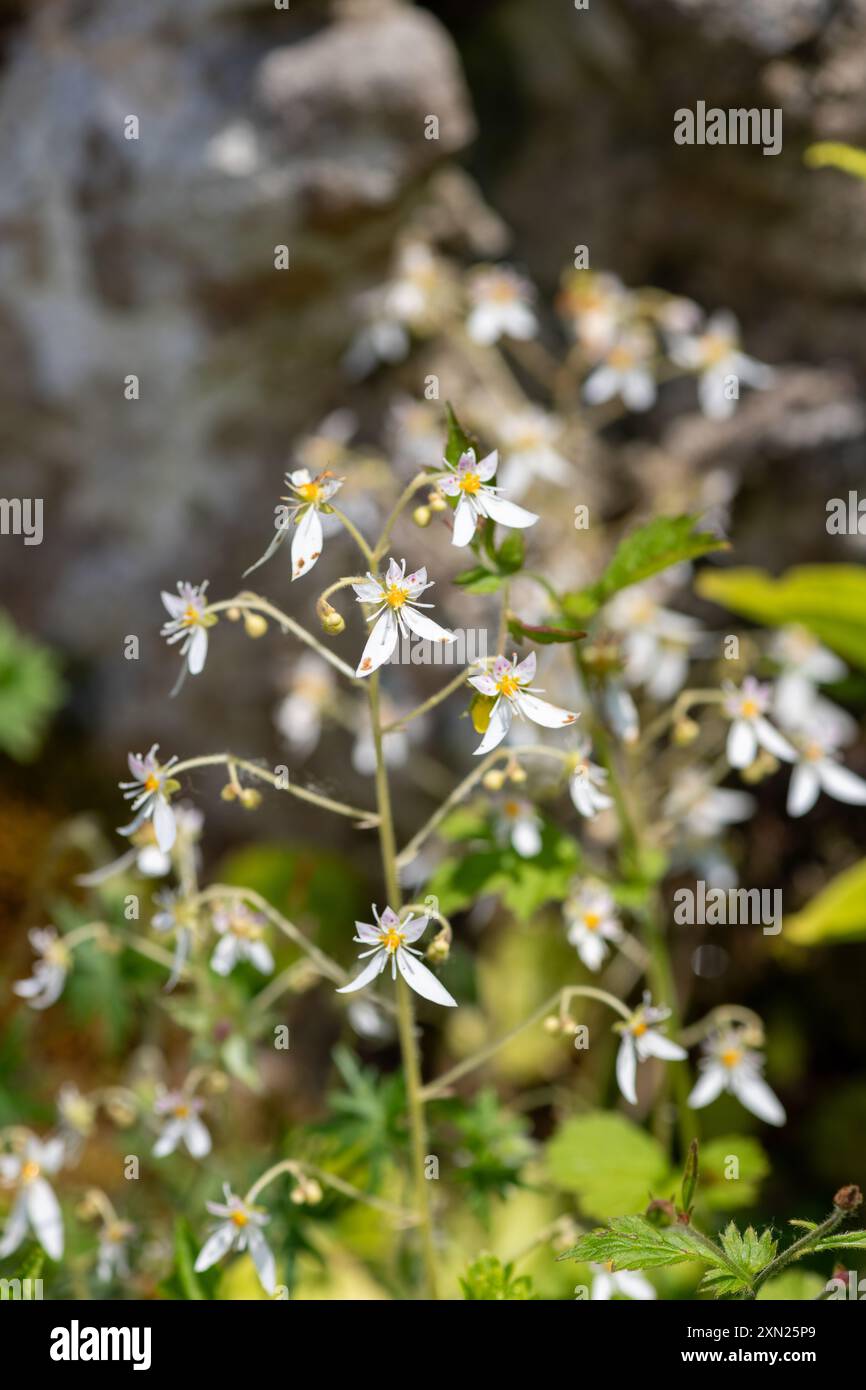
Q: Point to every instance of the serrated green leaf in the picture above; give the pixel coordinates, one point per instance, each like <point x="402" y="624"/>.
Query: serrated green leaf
<point x="632" y="1242"/>
<point x="829" y="600"/>
<point x="747" y="1250"/>
<point x="842" y="1240"/>
<point x="837" y="913"/>
<point x="666" y="541"/>
<point x="609" y="1162"/>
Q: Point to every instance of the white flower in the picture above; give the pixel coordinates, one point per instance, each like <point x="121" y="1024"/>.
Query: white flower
<point x="308" y="496"/>
<point x="508" y="685"/>
<point x="641" y="1039"/>
<point x="174" y="916"/>
<point x="596" y="305"/>
<point x="592" y="919"/>
<point x="145" y="854"/>
<point x="112" y="1260"/>
<point x="607" y="1282"/>
<point x="529" y="441"/>
<point x="418" y="282"/>
<point x="501" y="302"/>
<point x="805" y="664"/>
<point x="586" y="784"/>
<point x="469" y="482"/>
<point x="34" y="1205"/>
<point x="388" y="940"/>
<point x="241" y="934"/>
<point x="149" y="794"/>
<point x="183" y="1124"/>
<point x="380" y="338"/>
<point x="730" y="1066"/>
<point x="188" y="623"/>
<point x="45" y="985"/>
<point x="715" y="355"/>
<point x="750" y="727"/>
<point x="239" y="1229"/>
<point x="703" y="809"/>
<point x="397" y="614"/>
<point x="299" y="715"/>
<point x="817" y="770"/>
<point x="625" y="371"/>
<point x="620" y="711"/>
<point x="656" y="641"/>
<point x="520" y="824"/>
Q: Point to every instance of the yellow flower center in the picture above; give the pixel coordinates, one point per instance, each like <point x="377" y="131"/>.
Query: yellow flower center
<point x="732" y="1057"/>
<point x="592" y="921"/>
<point x="181" y="1111"/>
<point x="396" y="595"/>
<point x="310" y="492"/>
<point x="508" y="685"/>
<point x="470" y="482"/>
<point x="246" y="931"/>
<point x="151" y="783"/>
<point x="512" y="809"/>
<point x="190" y="616"/>
<point x="749" y="709"/>
<point x="714" y="348"/>
<point x="621" y="358"/>
<point x="813" y="752"/>
<point x="639" y="1028"/>
<point x="240" y="1217"/>
<point x="29" y="1171"/>
<point x="393" y="939"/>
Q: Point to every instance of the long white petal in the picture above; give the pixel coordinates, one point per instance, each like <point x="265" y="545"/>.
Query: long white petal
<point x="196" y="1137"/>
<point x="465" y="522"/>
<point x="46" y="1219"/>
<point x="163" y="824"/>
<point x="263" y="1259"/>
<point x="654" y="1044"/>
<point x="505" y="512"/>
<point x="260" y="956"/>
<point x="380" y="644"/>
<point x="215" y="1247"/>
<point x="541" y="712"/>
<point x="843" y="784"/>
<point x="753" y="1092"/>
<point x="425" y="627"/>
<point x="708" y="1086"/>
<point x="16" y="1229"/>
<point x="168" y="1139"/>
<point x="500" y="723"/>
<point x="373" y="968"/>
<point x="306" y="543"/>
<point x="626" y="1069"/>
<point x="197" y="651"/>
<point x="422" y="980"/>
<point x="772" y="740"/>
<point x="225" y="955"/>
<point x="804" y="789"/>
<point x="742" y="744"/>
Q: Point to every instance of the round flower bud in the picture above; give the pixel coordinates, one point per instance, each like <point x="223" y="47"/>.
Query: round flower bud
<point x="229" y="792"/>
<point x="515" y="773"/>
<point x="685" y="732"/>
<point x="233" y="614"/>
<point x="250" y="798"/>
<point x="334" y="623"/>
<point x="255" y="624"/>
<point x="552" y="1024"/>
<point x="494" y="780"/>
<point x="436" y="502"/>
<point x="422" y="516"/>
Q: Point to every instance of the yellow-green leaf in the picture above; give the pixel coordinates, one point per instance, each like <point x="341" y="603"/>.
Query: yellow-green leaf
<point x="837" y="913"/>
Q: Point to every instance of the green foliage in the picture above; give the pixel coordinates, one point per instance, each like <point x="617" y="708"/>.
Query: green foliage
<point x="837" y="913"/>
<point x="633" y="1242"/>
<point x="544" y="634"/>
<point x="792" y="1285"/>
<point x="457" y="440"/>
<point x="492" y="1146"/>
<point x="654" y="547"/>
<point x="30" y="692"/>
<point x="489" y="1280"/>
<point x="829" y="600"/>
<point x="717" y="1191"/>
<point x="747" y="1254"/>
<point x="833" y="154"/>
<point x="368" y="1117"/>
<point x="609" y="1162"/>
<point x="524" y="885"/>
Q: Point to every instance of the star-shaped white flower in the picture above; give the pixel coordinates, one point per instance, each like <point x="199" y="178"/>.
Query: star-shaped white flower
<point x="149" y="794"/>
<point x="750" y="728"/>
<point x="607" y="1282"/>
<point x="592" y="919"/>
<point x="469" y="482"/>
<point x="818" y="770"/>
<point x="188" y="623"/>
<point x="397" y="614"/>
<point x="241" y="933"/>
<point x="501" y="301"/>
<point x="181" y="1125"/>
<point x="729" y="1065"/>
<point x="519" y="823"/>
<point x="389" y="940"/>
<point x="508" y="684"/>
<point x="641" y="1039"/>
<point x="308" y="496"/>
<point x="34" y="1205"/>
<point x="703" y="810"/>
<point x="716" y="356"/>
<point x="656" y="641"/>
<point x="625" y="371"/>
<point x="587" y="782"/>
<point x="240" y="1228"/>
<point x="529" y="438"/>
<point x="45" y="985"/>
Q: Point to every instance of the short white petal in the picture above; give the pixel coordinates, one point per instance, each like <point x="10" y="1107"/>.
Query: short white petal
<point x="526" y="838"/>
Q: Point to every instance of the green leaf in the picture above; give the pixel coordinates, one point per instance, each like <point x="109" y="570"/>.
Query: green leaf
<point x="833" y="154"/>
<point x="30" y="692"/>
<point x="632" y="1242"/>
<point x="184" y="1262"/>
<point x="542" y="634"/>
<point x="511" y="553"/>
<point x="837" y="913"/>
<point x="792" y="1285"/>
<point x="747" y="1250"/>
<point x="609" y="1162"/>
<point x="690" y="1177"/>
<point x="489" y="1280"/>
<point x="458" y="440"/>
<point x="480" y="580"/>
<point x="524" y="885"/>
<point x="829" y="600"/>
<point x="842" y="1240"/>
<point x="666" y="541"/>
